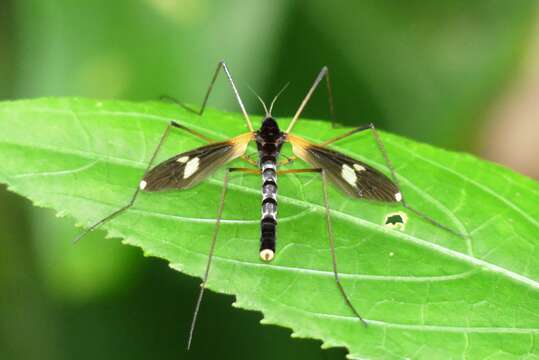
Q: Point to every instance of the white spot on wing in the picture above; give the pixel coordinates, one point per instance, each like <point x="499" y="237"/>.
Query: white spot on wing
<point x="183" y="159"/>
<point x="398" y="196"/>
<point x="359" y="167"/>
<point x="349" y="175"/>
<point x="191" y="167"/>
<point x="142" y="185"/>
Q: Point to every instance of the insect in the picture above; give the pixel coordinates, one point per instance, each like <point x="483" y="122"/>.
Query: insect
<point x="355" y="178"/>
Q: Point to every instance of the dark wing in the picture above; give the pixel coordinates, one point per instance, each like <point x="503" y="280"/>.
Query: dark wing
<point x="354" y="177"/>
<point x="188" y="169"/>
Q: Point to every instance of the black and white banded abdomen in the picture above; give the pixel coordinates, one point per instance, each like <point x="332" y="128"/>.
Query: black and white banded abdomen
<point x="268" y="222"/>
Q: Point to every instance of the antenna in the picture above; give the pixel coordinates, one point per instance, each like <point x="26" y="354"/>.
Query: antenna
<point x="268" y="113"/>
<point x="277" y="96"/>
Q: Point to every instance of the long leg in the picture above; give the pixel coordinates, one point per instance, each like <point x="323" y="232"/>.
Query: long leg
<point x="389" y="164"/>
<point x="347" y="134"/>
<point x="212" y="247"/>
<point x="330" y="236"/>
<point x="332" y="249"/>
<point x="289" y="160"/>
<point x="191" y="131"/>
<point x="323" y="73"/>
<point x="249" y="159"/>
<point x="137" y="191"/>
<point x="220" y="65"/>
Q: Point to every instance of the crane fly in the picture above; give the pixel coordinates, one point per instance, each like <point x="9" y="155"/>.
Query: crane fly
<point x="355" y="178"/>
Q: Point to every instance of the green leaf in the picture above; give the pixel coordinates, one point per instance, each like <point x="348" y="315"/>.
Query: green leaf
<point x="425" y="293"/>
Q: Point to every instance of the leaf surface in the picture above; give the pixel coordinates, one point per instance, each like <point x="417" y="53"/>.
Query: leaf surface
<point x="424" y="292"/>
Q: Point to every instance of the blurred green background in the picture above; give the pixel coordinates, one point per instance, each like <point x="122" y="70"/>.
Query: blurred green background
<point x="439" y="72"/>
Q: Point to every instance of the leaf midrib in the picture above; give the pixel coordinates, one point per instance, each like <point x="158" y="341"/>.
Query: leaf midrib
<point x="473" y="182"/>
<point x="343" y="275"/>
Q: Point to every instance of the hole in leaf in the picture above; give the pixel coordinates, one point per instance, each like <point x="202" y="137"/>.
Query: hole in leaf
<point x="396" y="220"/>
